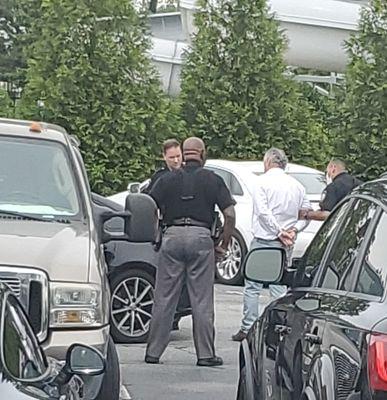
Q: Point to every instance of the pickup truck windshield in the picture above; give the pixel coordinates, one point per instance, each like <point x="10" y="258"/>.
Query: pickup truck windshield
<point x="36" y="178"/>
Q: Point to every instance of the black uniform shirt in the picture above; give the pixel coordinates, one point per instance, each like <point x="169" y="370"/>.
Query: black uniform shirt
<point x="191" y="192"/>
<point x="342" y="185"/>
<point x="154" y="178"/>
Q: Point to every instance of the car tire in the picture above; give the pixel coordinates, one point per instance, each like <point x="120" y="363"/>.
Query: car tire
<point x="110" y="388"/>
<point x="132" y="295"/>
<point x="244" y="392"/>
<point x="229" y="271"/>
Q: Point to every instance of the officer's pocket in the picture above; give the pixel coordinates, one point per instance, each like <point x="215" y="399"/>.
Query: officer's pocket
<point x="205" y="242"/>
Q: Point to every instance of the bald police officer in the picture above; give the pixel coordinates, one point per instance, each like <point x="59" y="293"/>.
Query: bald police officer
<point x="188" y="198"/>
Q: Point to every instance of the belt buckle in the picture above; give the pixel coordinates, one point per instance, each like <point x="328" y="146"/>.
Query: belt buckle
<point x="187" y="221"/>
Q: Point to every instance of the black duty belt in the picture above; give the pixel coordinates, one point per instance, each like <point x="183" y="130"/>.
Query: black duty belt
<point x="186" y="221"/>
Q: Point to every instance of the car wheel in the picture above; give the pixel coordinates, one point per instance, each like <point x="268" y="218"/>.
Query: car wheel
<point x="229" y="271"/>
<point x="132" y="297"/>
<point x="110" y="388"/>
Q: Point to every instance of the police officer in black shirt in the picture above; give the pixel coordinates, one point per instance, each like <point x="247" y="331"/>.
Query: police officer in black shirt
<point x="340" y="184"/>
<point x="173" y="159"/>
<point x="188" y="198"/>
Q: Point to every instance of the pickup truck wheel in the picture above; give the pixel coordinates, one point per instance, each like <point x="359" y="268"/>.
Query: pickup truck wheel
<point x="110" y="388"/>
<point x="131" y="305"/>
<point x="229" y="271"/>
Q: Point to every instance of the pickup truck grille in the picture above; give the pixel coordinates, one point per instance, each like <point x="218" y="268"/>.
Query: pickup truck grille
<point x="13" y="283"/>
<point x="30" y="285"/>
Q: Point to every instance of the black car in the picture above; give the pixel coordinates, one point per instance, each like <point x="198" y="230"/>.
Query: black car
<point x="326" y="338"/>
<point x="132" y="274"/>
<point x="25" y="372"/>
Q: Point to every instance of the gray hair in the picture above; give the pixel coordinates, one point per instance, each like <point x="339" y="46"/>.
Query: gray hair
<point x="276" y="156"/>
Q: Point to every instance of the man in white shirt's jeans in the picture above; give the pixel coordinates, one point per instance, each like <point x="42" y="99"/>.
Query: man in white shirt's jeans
<point x="277" y="200"/>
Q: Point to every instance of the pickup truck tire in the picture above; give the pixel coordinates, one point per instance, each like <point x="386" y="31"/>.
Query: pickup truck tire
<point x="131" y="305"/>
<point x="110" y="388"/>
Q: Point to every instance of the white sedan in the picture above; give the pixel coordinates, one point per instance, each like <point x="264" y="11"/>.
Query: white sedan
<point x="239" y="177"/>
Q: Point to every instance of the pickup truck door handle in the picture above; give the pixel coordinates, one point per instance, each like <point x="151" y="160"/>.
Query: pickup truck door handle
<point x="312" y="339"/>
<point x="282" y="329"/>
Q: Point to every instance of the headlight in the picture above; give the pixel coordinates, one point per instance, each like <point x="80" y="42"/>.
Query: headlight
<point x="75" y="305"/>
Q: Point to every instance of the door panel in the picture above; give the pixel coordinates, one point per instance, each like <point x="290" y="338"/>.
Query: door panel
<point x="301" y="349"/>
<point x="292" y="340"/>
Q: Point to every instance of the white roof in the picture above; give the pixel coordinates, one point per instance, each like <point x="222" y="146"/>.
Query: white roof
<point x="257" y="166"/>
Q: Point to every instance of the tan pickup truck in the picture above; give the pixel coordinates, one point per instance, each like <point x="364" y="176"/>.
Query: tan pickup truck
<point x="51" y="241"/>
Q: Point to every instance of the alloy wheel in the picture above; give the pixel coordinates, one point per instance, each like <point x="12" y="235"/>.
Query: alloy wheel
<point x="131" y="306"/>
<point x="230" y="266"/>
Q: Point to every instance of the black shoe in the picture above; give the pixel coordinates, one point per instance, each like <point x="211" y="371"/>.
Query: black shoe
<point x="210" y="362"/>
<point x="238" y="337"/>
<point x="151" y="360"/>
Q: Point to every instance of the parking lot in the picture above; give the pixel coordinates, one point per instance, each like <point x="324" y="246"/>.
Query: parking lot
<point x="178" y="377"/>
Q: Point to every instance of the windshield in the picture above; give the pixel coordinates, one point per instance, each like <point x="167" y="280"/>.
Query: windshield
<point x="313" y="183"/>
<point x="36" y="178"/>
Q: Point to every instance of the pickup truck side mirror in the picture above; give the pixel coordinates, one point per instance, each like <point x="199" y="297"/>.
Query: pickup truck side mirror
<point x="141" y="220"/>
<point x="265" y="265"/>
<point x="143" y="224"/>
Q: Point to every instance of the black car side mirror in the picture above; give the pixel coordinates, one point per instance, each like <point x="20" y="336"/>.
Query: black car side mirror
<point x="265" y="265"/>
<point x="84" y="360"/>
<point x="81" y="360"/>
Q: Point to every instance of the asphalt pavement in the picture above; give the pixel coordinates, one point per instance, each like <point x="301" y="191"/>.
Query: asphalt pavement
<point x="178" y="377"/>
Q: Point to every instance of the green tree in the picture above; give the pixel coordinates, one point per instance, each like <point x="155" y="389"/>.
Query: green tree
<point x="5" y="104"/>
<point x="362" y="137"/>
<point x="90" y="72"/>
<point x="16" y="18"/>
<point x="235" y="91"/>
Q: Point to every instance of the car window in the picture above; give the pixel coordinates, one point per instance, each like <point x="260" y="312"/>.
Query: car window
<point x="223" y="174"/>
<point x="236" y="188"/>
<point x="313" y="183"/>
<point x="373" y="271"/>
<point x="315" y="252"/>
<point x="339" y="265"/>
<point x="229" y="179"/>
<point x="21" y="353"/>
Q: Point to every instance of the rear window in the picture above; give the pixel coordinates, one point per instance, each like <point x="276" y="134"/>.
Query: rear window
<point x="314" y="184"/>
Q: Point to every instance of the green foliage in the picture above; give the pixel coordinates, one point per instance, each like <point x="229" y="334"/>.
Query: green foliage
<point x="362" y="138"/>
<point x="90" y="72"/>
<point x="6" y="108"/>
<point x="235" y="93"/>
<point x="16" y="18"/>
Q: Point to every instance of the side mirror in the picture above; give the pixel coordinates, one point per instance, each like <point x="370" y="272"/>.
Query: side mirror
<point x="141" y="220"/>
<point x="134" y="187"/>
<point x="143" y="224"/>
<point x="84" y="360"/>
<point x="265" y="265"/>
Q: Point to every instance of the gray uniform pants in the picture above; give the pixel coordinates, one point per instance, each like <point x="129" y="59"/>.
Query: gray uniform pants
<point x="187" y="256"/>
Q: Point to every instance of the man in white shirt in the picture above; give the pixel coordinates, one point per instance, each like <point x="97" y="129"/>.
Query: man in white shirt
<point x="277" y="200"/>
